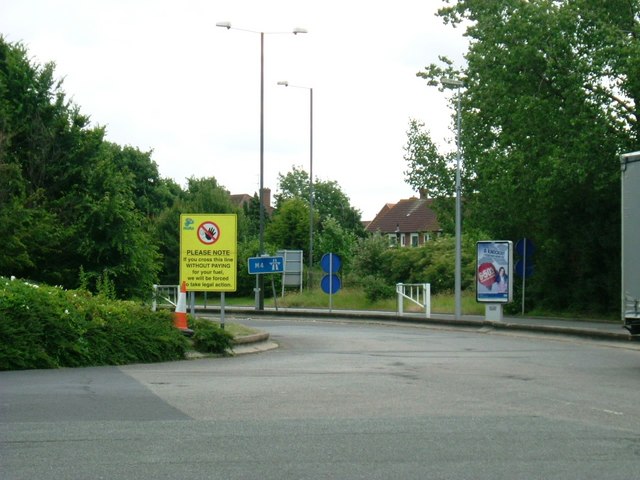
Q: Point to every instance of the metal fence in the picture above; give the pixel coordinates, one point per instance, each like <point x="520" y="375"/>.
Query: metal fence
<point x="418" y="293"/>
<point x="164" y="296"/>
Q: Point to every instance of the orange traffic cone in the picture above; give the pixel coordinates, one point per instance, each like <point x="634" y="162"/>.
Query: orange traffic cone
<point x="180" y="315"/>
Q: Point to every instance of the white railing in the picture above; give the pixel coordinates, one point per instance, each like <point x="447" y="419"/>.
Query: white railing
<point x="418" y="293"/>
<point x="165" y="296"/>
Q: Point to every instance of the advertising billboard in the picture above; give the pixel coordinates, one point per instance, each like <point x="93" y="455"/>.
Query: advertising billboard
<point x="494" y="271"/>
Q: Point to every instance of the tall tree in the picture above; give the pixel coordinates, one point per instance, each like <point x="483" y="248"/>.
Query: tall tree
<point x="329" y="200"/>
<point x="550" y="100"/>
<point x="335" y="239"/>
<point x="289" y="227"/>
<point x="431" y="172"/>
<point x="294" y="184"/>
<point x="112" y="236"/>
<point x="70" y="201"/>
<point x="428" y="169"/>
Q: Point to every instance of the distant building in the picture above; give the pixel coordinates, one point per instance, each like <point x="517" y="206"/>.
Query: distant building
<point x="409" y="223"/>
<point x="242" y="199"/>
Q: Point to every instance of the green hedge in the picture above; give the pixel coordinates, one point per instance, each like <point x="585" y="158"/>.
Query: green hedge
<point x="48" y="327"/>
<point x="208" y="337"/>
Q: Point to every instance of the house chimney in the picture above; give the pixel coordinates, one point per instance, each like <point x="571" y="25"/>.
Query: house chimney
<point x="424" y="193"/>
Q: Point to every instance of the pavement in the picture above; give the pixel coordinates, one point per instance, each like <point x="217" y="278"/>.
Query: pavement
<point x="593" y="329"/>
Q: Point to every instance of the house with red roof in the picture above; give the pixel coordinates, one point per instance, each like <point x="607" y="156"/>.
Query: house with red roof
<point x="409" y="223"/>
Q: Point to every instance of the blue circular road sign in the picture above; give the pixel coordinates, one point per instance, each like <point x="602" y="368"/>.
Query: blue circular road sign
<point x="525" y="245"/>
<point x="524" y="269"/>
<point x="330" y="262"/>
<point x="330" y="284"/>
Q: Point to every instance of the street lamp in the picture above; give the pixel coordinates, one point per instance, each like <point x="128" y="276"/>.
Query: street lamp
<point x="286" y="84"/>
<point x="457" y="84"/>
<point x="295" y="31"/>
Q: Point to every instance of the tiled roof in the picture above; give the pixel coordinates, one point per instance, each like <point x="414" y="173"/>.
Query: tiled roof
<point x="407" y="216"/>
<point x="240" y="199"/>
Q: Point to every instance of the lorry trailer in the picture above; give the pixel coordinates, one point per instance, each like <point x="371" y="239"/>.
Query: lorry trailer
<point x="630" y="166"/>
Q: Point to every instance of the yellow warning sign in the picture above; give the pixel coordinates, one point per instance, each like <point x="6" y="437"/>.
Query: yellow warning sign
<point x="209" y="252"/>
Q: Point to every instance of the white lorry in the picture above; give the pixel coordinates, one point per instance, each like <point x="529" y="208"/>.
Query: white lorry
<point x="630" y="165"/>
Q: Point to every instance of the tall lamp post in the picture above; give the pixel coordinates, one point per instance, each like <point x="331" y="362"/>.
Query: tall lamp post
<point x="295" y="31"/>
<point x="286" y="84"/>
<point x="457" y="84"/>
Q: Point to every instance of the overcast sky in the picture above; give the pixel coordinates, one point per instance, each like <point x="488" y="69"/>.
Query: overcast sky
<point x="159" y="75"/>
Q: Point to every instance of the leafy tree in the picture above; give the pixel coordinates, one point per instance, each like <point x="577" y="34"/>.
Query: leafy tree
<point x="15" y="219"/>
<point x="295" y="184"/>
<point x="70" y="201"/>
<point x="431" y="172"/>
<point x="166" y="227"/>
<point x="335" y="239"/>
<point x="369" y="254"/>
<point x="329" y="201"/>
<point x="205" y="195"/>
<point x="152" y="194"/>
<point x="550" y="100"/>
<point x="251" y="216"/>
<point x="36" y="124"/>
<point x="112" y="235"/>
<point x="289" y="227"/>
<point x="428" y="169"/>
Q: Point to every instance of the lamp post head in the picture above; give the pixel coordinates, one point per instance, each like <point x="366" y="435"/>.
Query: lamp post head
<point x="451" y="82"/>
<point x="228" y="26"/>
<point x="283" y="83"/>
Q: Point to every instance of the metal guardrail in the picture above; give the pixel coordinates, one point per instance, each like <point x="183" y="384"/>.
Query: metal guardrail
<point x="418" y="293"/>
<point x="164" y="296"/>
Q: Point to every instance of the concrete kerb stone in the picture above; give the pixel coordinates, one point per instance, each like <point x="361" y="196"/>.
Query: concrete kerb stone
<point x="245" y="344"/>
<point x="479" y="322"/>
<point x="561" y="330"/>
<point x="254" y="343"/>
<point x="253" y="338"/>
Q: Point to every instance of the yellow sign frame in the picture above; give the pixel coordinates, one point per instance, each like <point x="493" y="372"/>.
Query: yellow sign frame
<point x="209" y="251"/>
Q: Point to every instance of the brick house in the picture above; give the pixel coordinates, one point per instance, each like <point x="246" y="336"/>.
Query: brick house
<point x="409" y="223"/>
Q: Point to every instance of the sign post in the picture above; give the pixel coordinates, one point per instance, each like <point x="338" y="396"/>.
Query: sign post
<point x="330" y="283"/>
<point x="293" y="268"/>
<point x="524" y="266"/>
<point x="266" y="264"/>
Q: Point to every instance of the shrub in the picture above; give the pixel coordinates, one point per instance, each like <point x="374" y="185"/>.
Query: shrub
<point x="48" y="327"/>
<point x="377" y="288"/>
<point x="208" y="337"/>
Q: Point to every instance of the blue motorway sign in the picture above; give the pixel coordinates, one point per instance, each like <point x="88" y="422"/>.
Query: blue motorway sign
<point x="266" y="265"/>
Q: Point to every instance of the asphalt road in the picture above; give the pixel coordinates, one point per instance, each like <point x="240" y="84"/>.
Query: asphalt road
<point x="337" y="400"/>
